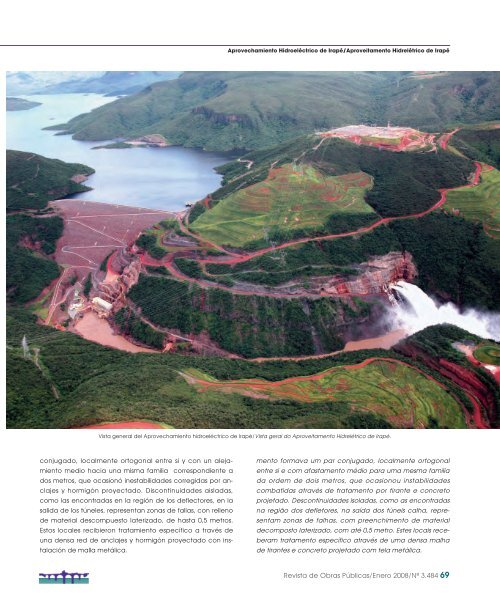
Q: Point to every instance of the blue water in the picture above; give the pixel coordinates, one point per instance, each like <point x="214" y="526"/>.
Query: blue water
<point x="158" y="178"/>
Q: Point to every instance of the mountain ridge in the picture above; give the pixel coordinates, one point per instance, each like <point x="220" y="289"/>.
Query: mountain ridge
<point x="251" y="110"/>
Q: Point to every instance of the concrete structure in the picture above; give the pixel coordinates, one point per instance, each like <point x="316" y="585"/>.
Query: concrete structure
<point x="101" y="306"/>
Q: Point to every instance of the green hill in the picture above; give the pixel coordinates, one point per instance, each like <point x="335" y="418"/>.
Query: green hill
<point x="280" y="200"/>
<point x="481" y="143"/>
<point x="431" y="103"/>
<point x="29" y="269"/>
<point x="66" y="381"/>
<point x="251" y="110"/>
<point x="294" y="200"/>
<point x="456" y="259"/>
<point x="34" y="180"/>
<point x="244" y="324"/>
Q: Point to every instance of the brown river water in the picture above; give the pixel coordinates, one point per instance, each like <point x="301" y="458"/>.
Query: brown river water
<point x="98" y="330"/>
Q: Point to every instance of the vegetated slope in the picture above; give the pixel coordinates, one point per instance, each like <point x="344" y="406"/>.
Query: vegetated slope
<point x="403" y="182"/>
<point x="481" y="203"/>
<point x="228" y="110"/>
<point x="33" y="180"/>
<point x="29" y="241"/>
<point x="308" y="259"/>
<point x="80" y="383"/>
<point x="17" y="104"/>
<point x="251" y="110"/>
<point x="437" y="347"/>
<point x="251" y="326"/>
<point x="395" y="391"/>
<point x="98" y="384"/>
<point x="132" y="325"/>
<point x="293" y="201"/>
<point x="481" y="143"/>
<point x="455" y="259"/>
<point x="447" y="97"/>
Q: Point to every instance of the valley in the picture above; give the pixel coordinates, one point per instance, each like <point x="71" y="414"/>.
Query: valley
<point x="271" y="301"/>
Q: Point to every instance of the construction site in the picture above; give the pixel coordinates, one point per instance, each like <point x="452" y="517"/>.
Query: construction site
<point x="396" y="139"/>
<point x="99" y="267"/>
<point x="125" y="267"/>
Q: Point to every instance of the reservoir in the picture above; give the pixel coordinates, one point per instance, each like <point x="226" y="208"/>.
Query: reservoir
<point x="158" y="178"/>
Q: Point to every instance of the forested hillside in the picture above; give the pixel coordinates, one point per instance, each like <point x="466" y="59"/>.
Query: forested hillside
<point x="251" y="110"/>
<point x="33" y="180"/>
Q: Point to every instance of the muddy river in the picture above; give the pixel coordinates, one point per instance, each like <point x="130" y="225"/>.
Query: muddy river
<point x="96" y="329"/>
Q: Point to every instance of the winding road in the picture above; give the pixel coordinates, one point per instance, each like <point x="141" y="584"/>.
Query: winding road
<point x="257" y="384"/>
<point x="84" y="251"/>
<point x="231" y="258"/>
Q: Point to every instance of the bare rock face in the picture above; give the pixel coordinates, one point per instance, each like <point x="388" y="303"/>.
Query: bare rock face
<point x="127" y="269"/>
<point x="370" y="278"/>
<point x="122" y="259"/>
<point x="130" y="275"/>
<point x="373" y="276"/>
<point x="221" y="118"/>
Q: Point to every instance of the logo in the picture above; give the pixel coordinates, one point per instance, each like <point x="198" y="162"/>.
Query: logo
<point x="63" y="578"/>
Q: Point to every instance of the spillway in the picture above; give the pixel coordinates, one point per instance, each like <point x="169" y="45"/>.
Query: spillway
<point x="416" y="311"/>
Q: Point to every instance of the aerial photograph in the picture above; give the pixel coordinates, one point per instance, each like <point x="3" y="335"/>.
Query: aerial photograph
<point x="245" y="250"/>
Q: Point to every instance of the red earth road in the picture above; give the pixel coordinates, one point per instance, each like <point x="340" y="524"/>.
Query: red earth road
<point x="236" y="258"/>
<point x="232" y="258"/>
<point x="316" y="377"/>
<point x="255" y="384"/>
<point x="125" y="425"/>
<point x="444" y="139"/>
